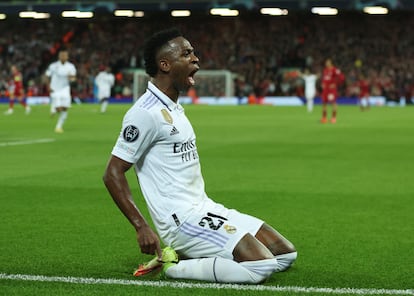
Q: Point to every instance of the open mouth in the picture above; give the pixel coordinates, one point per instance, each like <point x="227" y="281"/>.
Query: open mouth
<point x="191" y="79"/>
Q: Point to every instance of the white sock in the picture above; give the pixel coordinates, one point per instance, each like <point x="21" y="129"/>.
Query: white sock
<point x="62" y="117"/>
<point x="104" y="105"/>
<point x="52" y="107"/>
<point x="223" y="270"/>
<point x="284" y="261"/>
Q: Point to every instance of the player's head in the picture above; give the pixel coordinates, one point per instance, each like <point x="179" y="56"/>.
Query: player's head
<point x="168" y="52"/>
<point x="104" y="68"/>
<point x="154" y="45"/>
<point x="63" y="55"/>
<point x="14" y="69"/>
<point x="328" y="63"/>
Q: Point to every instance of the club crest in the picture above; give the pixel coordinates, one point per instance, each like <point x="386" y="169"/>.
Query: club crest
<point x="130" y="133"/>
<point x="230" y="229"/>
<point x="167" y="116"/>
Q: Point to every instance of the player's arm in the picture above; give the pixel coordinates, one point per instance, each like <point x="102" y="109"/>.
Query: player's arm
<point x="117" y="184"/>
<point x="72" y="80"/>
<point x="48" y="78"/>
<point x="47" y="81"/>
<point x="72" y="77"/>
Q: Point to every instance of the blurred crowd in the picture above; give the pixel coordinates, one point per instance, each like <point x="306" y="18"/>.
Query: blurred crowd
<point x="266" y="54"/>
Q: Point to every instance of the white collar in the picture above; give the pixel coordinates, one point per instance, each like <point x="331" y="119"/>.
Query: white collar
<point x="164" y="99"/>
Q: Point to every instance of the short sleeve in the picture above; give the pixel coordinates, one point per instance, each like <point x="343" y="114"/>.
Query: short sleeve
<point x="49" y="71"/>
<point x="139" y="130"/>
<point x="72" y="70"/>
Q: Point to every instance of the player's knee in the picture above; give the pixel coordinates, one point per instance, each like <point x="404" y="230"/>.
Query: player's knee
<point x="292" y="249"/>
<point x="284" y="261"/>
<point x="260" y="270"/>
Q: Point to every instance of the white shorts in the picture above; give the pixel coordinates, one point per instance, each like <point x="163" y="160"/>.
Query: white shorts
<point x="100" y="99"/>
<point x="364" y="102"/>
<point x="103" y="95"/>
<point x="61" y="98"/>
<point x="213" y="231"/>
<point x="309" y="96"/>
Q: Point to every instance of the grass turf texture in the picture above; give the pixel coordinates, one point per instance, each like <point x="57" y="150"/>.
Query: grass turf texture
<point x="343" y="194"/>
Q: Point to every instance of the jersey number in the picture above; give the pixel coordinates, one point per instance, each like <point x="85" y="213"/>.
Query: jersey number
<point x="213" y="221"/>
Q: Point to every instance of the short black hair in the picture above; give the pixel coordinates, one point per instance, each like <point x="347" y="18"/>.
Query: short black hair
<point x="153" y="45"/>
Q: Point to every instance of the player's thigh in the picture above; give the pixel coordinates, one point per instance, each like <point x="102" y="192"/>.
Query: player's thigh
<point x="274" y="241"/>
<point x="214" y="232"/>
<point x="249" y="248"/>
<point x="62" y="97"/>
<point x="63" y="100"/>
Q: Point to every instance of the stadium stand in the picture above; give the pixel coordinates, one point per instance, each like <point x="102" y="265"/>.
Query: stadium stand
<point x="258" y="49"/>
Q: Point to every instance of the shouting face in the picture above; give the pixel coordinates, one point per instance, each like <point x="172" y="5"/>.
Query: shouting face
<point x="180" y="62"/>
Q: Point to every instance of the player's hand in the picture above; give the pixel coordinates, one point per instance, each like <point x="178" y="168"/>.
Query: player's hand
<point x="149" y="242"/>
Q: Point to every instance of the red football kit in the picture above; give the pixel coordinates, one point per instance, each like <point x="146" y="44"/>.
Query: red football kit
<point x="18" y="84"/>
<point x="363" y="88"/>
<point x="331" y="78"/>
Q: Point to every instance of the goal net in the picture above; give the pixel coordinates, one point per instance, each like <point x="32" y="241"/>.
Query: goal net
<point x="209" y="83"/>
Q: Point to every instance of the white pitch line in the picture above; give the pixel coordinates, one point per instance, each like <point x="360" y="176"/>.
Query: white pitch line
<point x="185" y="285"/>
<point x="26" y="142"/>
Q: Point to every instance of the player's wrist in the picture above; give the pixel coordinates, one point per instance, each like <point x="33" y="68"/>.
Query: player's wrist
<point x="139" y="225"/>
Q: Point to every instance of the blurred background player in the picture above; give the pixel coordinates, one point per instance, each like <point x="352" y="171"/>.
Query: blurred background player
<point x="363" y="95"/>
<point x="332" y="77"/>
<point x="104" y="82"/>
<point x="61" y="73"/>
<point x="16" y="90"/>
<point x="310" y="88"/>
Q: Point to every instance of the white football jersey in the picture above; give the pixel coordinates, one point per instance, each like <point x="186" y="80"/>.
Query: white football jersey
<point x="310" y="85"/>
<point x="159" y="140"/>
<point x="59" y="75"/>
<point x="104" y="82"/>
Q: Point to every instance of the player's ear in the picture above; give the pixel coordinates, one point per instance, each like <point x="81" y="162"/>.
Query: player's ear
<point x="164" y="65"/>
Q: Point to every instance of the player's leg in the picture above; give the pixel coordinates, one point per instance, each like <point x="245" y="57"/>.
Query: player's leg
<point x="324" y="109"/>
<point x="63" y="103"/>
<point x="221" y="270"/>
<point x="63" y="114"/>
<point x="310" y="104"/>
<point x="11" y="105"/>
<point x="367" y="104"/>
<point x="104" y="104"/>
<point x="334" y="111"/>
<point x="53" y="110"/>
<point x="309" y="100"/>
<point x="60" y="105"/>
<point x="364" y="103"/>
<point x="223" y="241"/>
<point x="274" y="241"/>
<point x="23" y="102"/>
<point x="255" y="263"/>
<point x="271" y="241"/>
<point x="283" y="250"/>
<point x="307" y="104"/>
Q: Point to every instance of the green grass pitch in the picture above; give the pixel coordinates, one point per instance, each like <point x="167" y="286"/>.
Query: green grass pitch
<point x="343" y="194"/>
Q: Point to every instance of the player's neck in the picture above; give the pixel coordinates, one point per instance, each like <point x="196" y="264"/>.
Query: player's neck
<point x="167" y="89"/>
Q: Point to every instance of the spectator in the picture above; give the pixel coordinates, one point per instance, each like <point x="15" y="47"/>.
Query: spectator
<point x="382" y="45"/>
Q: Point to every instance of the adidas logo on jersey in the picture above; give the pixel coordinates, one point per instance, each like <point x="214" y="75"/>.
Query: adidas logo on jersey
<point x="174" y="131"/>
